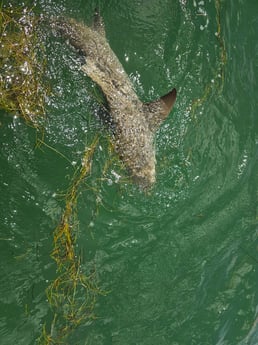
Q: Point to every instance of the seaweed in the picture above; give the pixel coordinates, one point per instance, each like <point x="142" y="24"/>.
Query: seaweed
<point x="23" y="91"/>
<point x="72" y="295"/>
<point x="217" y="83"/>
<point x="23" y="87"/>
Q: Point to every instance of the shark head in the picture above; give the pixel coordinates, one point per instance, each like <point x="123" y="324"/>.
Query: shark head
<point x="135" y="138"/>
<point x="146" y="177"/>
<point x="155" y="113"/>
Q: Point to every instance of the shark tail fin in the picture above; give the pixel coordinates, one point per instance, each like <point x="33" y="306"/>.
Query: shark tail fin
<point x="157" y="111"/>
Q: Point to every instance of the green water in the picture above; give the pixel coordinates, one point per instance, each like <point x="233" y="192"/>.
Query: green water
<point x="180" y="264"/>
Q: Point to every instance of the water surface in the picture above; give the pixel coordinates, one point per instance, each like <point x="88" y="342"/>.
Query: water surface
<point x="179" y="264"/>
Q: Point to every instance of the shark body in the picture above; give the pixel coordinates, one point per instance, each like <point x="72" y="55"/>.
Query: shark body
<point x="134" y="122"/>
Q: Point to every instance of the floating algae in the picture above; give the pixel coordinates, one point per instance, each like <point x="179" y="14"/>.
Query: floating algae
<point x="22" y="65"/>
<point x="217" y="83"/>
<point x="72" y="295"/>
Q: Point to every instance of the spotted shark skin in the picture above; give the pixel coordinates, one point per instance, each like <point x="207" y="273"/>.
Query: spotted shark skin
<point x="135" y="122"/>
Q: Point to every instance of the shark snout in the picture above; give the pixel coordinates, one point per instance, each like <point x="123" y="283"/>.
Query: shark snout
<point x="145" y="178"/>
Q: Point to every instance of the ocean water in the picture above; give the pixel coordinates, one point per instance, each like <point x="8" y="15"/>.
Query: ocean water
<point x="179" y="264"/>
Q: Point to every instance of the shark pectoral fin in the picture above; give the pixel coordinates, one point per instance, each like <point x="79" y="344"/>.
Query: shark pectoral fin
<point x="98" y="23"/>
<point x="157" y="111"/>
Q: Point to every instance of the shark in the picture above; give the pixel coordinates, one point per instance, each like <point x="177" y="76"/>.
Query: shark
<point x="134" y="122"/>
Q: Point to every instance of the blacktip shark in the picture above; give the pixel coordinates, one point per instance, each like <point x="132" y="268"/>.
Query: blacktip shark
<point x="135" y="122"/>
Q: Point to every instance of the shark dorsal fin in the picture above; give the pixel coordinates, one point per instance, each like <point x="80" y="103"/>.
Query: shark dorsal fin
<point x="98" y="23"/>
<point x="169" y="100"/>
<point x="157" y="111"/>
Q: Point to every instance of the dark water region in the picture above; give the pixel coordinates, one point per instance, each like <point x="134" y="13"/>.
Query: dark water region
<point x="179" y="265"/>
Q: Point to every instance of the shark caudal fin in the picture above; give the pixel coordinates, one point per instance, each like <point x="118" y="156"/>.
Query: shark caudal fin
<point x="157" y="111"/>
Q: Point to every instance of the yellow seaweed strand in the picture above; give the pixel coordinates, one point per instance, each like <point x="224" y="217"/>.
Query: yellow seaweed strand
<point x="71" y="307"/>
<point x="219" y="76"/>
<point x="22" y="65"/>
<point x="223" y="53"/>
